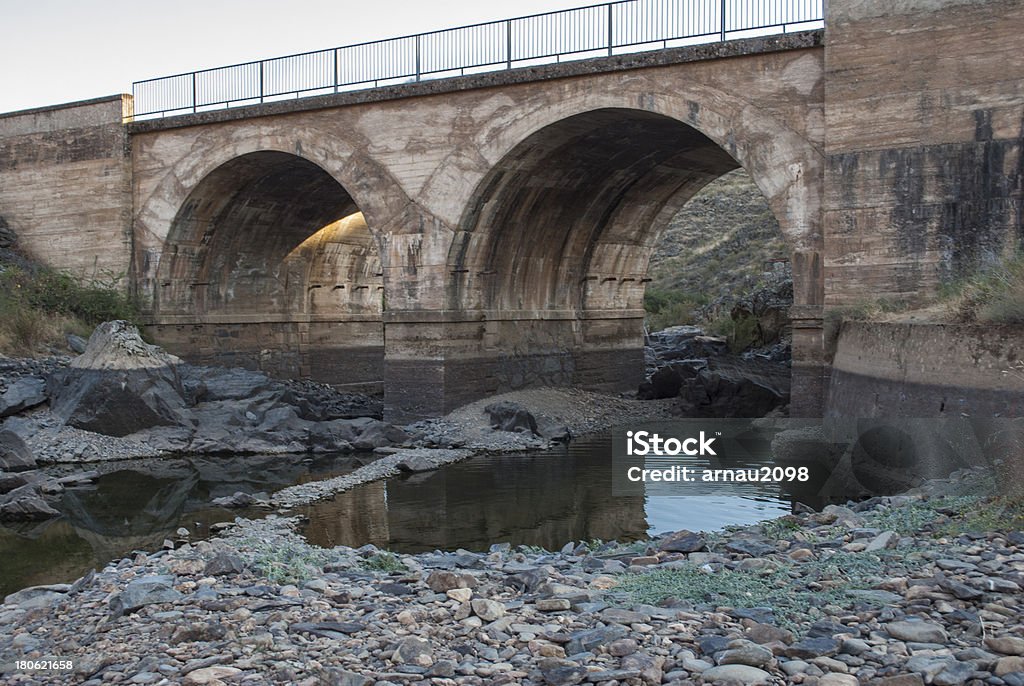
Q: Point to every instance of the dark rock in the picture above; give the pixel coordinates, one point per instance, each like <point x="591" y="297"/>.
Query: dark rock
<point x="395" y="589"/>
<point x="764" y="615"/>
<point x="15" y="456"/>
<point x="558" y="672"/>
<point x="810" y="648"/>
<point x="528" y="580"/>
<point x="709" y="645"/>
<point x="408" y="649"/>
<point x="340" y="677"/>
<point x="224" y="563"/>
<point x="588" y="639"/>
<point x="444" y="669"/>
<point x="622" y="616"/>
<point x="954" y="673"/>
<point x="25" y="503"/>
<point x="682" y="542"/>
<point x="750" y="547"/>
<point x="416" y="463"/>
<point x="8" y="482"/>
<point x="826" y="628"/>
<point x="378" y="434"/>
<point x="737" y="390"/>
<point x="335" y="630"/>
<point x="148" y="590"/>
<point x="23" y="394"/>
<point x="509" y="416"/>
<point x="901" y="680"/>
<point x="119" y="385"/>
<point x="958" y="589"/>
<point x="664" y="383"/>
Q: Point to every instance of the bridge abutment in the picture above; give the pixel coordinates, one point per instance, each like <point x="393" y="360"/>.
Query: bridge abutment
<point x="438" y="361"/>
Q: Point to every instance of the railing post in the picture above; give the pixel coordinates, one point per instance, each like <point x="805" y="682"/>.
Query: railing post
<point x="261" y="80"/>
<point x="508" y="43"/>
<point x="335" y="70"/>
<point x="723" y="20"/>
<point x="417" y="57"/>
<point x="611" y="35"/>
<point x="193" y="92"/>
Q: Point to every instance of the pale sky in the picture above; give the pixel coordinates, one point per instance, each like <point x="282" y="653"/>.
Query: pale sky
<point x="56" y="51"/>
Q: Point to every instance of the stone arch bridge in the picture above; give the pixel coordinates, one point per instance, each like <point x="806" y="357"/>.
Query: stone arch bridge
<point x="459" y="237"/>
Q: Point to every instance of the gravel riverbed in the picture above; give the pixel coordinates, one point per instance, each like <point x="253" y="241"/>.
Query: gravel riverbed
<point x="903" y="590"/>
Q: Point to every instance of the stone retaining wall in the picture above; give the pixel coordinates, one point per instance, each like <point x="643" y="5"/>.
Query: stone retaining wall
<point x="927" y="370"/>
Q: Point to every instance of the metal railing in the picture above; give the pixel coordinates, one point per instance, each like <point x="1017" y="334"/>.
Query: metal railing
<point x="607" y="29"/>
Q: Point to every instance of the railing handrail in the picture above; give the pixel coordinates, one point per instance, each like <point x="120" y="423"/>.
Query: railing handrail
<point x="721" y="32"/>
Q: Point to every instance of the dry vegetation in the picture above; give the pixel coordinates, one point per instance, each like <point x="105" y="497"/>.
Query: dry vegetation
<point x="40" y="306"/>
<point x="716" y="247"/>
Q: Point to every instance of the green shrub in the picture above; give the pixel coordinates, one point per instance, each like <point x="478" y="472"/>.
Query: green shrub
<point x="384" y="562"/>
<point x="38" y="306"/>
<point x="667" y="307"/>
<point x="994" y="295"/>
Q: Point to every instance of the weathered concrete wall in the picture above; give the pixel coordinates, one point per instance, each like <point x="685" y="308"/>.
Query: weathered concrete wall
<point x="924" y="106"/>
<point x="514" y="213"/>
<point x="927" y="370"/>
<point x="65" y="184"/>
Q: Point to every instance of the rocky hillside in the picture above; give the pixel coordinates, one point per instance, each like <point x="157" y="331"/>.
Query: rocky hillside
<point x="717" y="247"/>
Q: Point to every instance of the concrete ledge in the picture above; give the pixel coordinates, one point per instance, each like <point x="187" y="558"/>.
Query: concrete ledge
<point x="120" y="97"/>
<point x="800" y="40"/>
<point x="926" y="370"/>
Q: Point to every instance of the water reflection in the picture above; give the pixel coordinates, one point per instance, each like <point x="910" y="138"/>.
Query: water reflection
<point x="541" y="499"/>
<point x="135" y="506"/>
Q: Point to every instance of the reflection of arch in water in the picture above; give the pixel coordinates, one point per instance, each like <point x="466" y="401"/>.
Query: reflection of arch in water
<point x="131" y="503"/>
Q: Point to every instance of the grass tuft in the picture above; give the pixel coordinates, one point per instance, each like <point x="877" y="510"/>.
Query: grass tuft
<point x="39" y="306"/>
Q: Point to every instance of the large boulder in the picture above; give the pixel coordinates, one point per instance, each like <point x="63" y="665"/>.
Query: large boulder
<point x="15" y="456"/>
<point x="736" y="389"/>
<point x="23" y="394"/>
<point x="509" y="416"/>
<point x="119" y="385"/>
<point x="25" y="503"/>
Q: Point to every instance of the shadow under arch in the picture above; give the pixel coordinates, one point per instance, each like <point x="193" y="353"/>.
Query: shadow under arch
<point x="553" y="247"/>
<point x="269" y="264"/>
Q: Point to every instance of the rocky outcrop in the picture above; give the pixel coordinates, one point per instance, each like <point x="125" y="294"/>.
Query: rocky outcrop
<point x="15" y="456"/>
<point x="23" y="394"/>
<point x="25" y="503"/>
<point x="508" y="416"/>
<point x="710" y="381"/>
<point x="122" y="386"/>
<point x="119" y="385"/>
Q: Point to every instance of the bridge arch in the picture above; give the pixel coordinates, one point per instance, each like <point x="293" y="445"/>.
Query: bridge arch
<point x="273" y="262"/>
<point x="554" y="242"/>
<point x="785" y="164"/>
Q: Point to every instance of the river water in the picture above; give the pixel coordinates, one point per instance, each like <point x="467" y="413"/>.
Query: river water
<point x="541" y="499"/>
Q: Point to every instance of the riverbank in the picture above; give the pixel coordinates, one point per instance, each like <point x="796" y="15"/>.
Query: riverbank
<point x="903" y="590"/>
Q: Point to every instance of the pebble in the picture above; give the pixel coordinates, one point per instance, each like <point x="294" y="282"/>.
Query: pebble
<point x="522" y="616"/>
